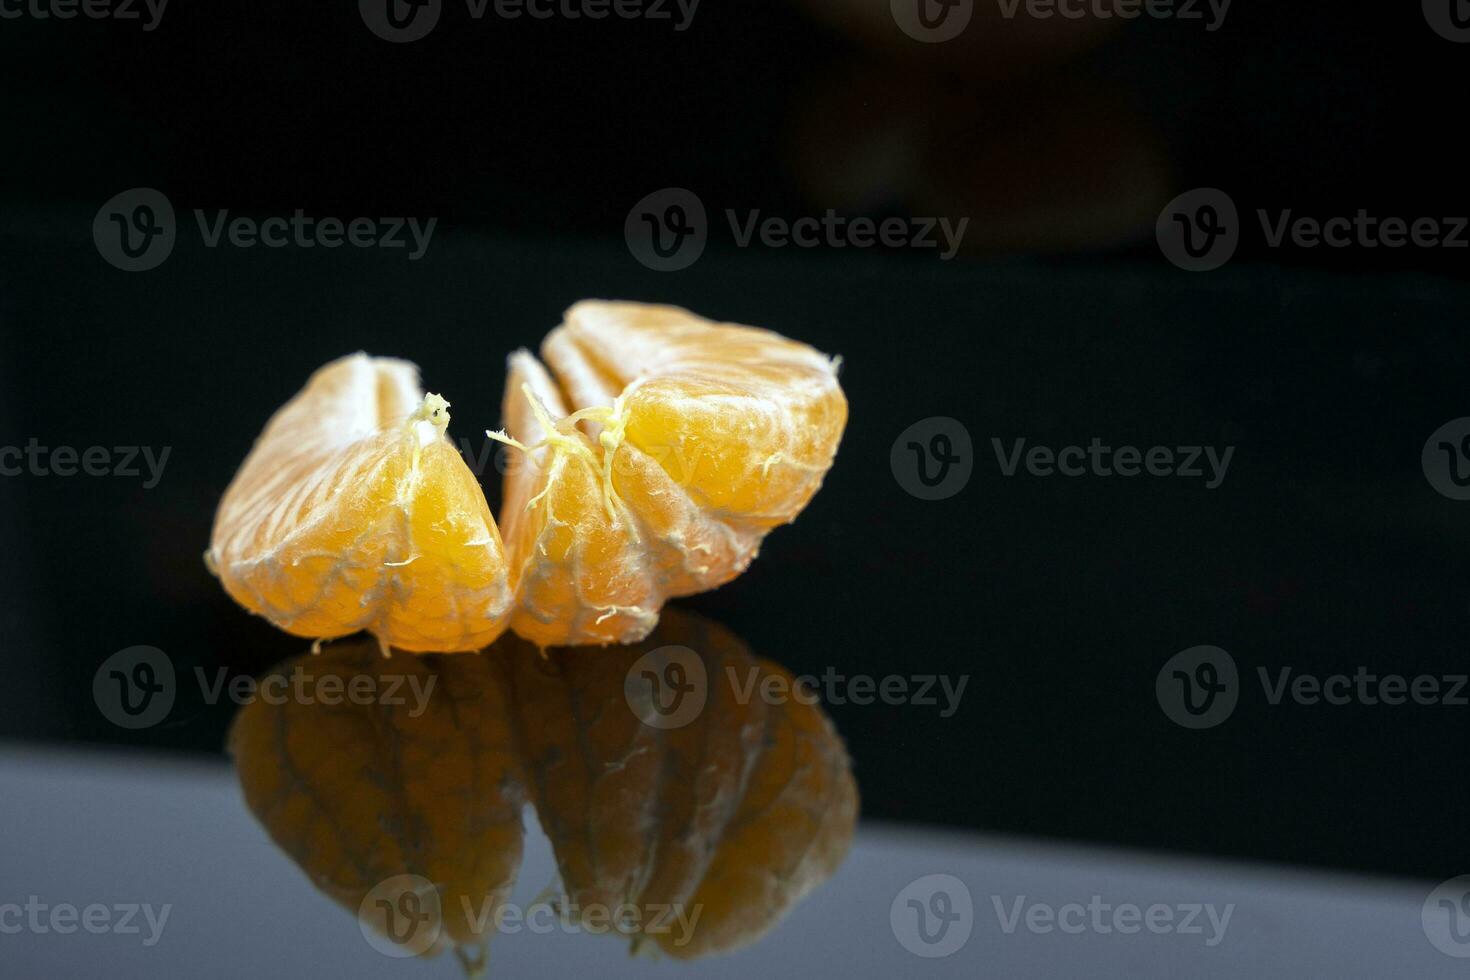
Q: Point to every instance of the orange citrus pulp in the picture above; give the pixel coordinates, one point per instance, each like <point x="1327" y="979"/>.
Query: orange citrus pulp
<point x="353" y="511"/>
<point x="652" y="458"/>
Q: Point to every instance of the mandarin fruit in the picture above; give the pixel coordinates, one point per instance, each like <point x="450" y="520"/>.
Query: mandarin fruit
<point x="656" y="453"/>
<point x="353" y="511"/>
<point x="660" y="448"/>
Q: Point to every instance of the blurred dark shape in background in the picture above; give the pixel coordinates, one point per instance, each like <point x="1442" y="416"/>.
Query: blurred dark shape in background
<point x="1051" y="133"/>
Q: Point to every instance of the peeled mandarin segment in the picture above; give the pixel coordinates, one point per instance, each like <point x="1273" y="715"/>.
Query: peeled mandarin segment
<point x="728" y="820"/>
<point x="353" y="511"/>
<point x="419" y="778"/>
<point x="583" y="574"/>
<point x="745" y="420"/>
<point x="667" y="447"/>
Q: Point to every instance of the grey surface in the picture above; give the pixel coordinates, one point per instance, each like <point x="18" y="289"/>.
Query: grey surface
<point x="113" y="828"/>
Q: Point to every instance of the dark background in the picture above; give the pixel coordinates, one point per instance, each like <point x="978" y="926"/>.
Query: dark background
<point x="1325" y="548"/>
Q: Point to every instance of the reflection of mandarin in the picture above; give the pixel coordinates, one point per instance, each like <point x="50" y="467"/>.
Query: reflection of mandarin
<point x="658" y="451"/>
<point x="708" y="832"/>
<point x="376" y="771"/>
<point x="728" y="819"/>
